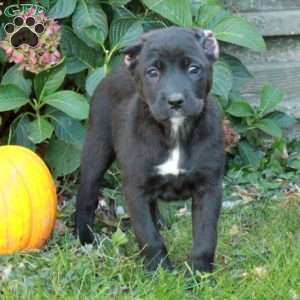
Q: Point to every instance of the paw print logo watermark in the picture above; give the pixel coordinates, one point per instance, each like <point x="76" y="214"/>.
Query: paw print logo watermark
<point x="32" y="38"/>
<point x="24" y="30"/>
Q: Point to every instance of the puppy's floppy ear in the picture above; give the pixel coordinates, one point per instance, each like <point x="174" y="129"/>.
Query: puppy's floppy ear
<point x="131" y="54"/>
<point x="209" y="43"/>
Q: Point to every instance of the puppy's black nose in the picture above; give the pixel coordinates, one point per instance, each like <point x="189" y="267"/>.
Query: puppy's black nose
<point x="175" y="100"/>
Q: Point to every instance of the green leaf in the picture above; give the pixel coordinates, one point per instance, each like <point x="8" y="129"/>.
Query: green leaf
<point x="16" y="77"/>
<point x="11" y="97"/>
<point x="48" y="81"/>
<point x="20" y="133"/>
<point x="281" y="119"/>
<point x="79" y="79"/>
<point x="269" y="127"/>
<point x="39" y="130"/>
<point x="115" y="62"/>
<point x="67" y="129"/>
<point x="240" y="109"/>
<point x="249" y="155"/>
<point x="62" y="9"/>
<point x="270" y="98"/>
<point x="117" y="3"/>
<point x="294" y="163"/>
<point x="209" y="15"/>
<point x="63" y="158"/>
<point x="44" y="3"/>
<point x="119" y="238"/>
<point x="93" y="80"/>
<point x="178" y="12"/>
<point x="90" y="23"/>
<point x="78" y="55"/>
<point x="124" y="31"/>
<point x="69" y="102"/>
<point x="74" y="65"/>
<point x="3" y="57"/>
<point x="238" y="31"/>
<point x="241" y="74"/>
<point x="222" y="79"/>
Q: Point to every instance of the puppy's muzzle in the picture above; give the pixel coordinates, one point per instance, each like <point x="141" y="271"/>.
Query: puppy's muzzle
<point x="175" y="100"/>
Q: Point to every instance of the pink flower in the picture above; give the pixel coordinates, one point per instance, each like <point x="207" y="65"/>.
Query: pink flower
<point x="54" y="60"/>
<point x="56" y="54"/>
<point x="46" y="58"/>
<point x="30" y="12"/>
<point x="32" y="57"/>
<point x="18" y="58"/>
<point x="9" y="51"/>
<point x="55" y="27"/>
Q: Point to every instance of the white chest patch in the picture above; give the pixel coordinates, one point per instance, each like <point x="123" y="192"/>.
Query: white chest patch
<point x="172" y="165"/>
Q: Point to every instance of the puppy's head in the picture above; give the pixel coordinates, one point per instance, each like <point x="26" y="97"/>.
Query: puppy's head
<point x="173" y="70"/>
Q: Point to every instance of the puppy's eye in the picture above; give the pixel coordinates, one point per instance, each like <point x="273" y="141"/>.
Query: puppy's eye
<point x="194" y="69"/>
<point x="152" y="72"/>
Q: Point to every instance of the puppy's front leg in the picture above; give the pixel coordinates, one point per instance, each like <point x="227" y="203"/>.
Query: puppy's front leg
<point x="205" y="214"/>
<point x="146" y="231"/>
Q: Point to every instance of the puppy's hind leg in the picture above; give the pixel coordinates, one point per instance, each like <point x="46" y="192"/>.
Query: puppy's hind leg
<point x="96" y="159"/>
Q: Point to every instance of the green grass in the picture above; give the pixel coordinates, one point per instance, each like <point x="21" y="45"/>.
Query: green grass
<point x="258" y="257"/>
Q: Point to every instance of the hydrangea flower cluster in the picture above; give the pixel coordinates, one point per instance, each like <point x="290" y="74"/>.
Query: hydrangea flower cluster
<point x="231" y="138"/>
<point x="41" y="57"/>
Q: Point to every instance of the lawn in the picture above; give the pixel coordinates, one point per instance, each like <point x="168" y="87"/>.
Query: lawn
<point x="258" y="255"/>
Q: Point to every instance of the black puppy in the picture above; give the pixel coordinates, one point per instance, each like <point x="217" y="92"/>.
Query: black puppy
<point x="155" y="116"/>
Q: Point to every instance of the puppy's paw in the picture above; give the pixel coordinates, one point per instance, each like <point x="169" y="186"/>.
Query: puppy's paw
<point x="24" y="31"/>
<point x="84" y="232"/>
<point x="152" y="264"/>
<point x="203" y="263"/>
<point x="86" y="236"/>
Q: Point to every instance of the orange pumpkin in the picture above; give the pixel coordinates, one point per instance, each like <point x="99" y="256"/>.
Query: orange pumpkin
<point x="27" y="200"/>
